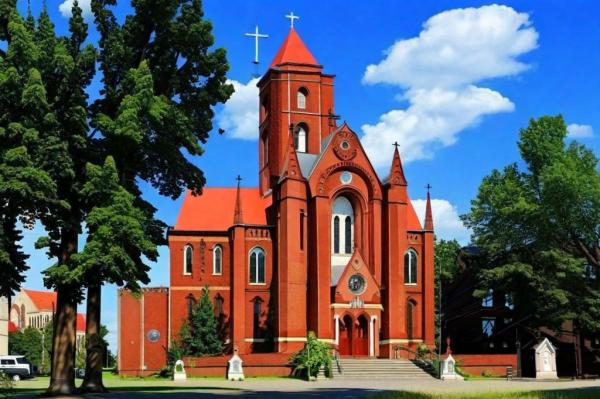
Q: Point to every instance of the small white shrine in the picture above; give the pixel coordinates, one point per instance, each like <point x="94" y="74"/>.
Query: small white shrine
<point x="449" y="369"/>
<point x="179" y="371"/>
<point x="545" y="360"/>
<point x="235" y="372"/>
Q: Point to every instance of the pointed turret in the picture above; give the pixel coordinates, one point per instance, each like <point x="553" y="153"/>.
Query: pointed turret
<point x="291" y="166"/>
<point x="237" y="216"/>
<point x="397" y="172"/>
<point x="293" y="50"/>
<point x="428" y="215"/>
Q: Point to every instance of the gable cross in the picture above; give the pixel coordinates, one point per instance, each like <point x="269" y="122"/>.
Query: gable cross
<point x="396" y="144"/>
<point x="256" y="36"/>
<point x="428" y="187"/>
<point x="292" y="17"/>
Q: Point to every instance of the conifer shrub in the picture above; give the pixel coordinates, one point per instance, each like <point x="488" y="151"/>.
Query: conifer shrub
<point x="199" y="335"/>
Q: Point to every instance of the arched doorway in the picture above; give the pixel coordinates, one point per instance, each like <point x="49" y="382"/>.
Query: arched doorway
<point x="361" y="341"/>
<point x="345" y="339"/>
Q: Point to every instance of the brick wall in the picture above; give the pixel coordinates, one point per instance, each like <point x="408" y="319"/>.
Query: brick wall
<point x="476" y="365"/>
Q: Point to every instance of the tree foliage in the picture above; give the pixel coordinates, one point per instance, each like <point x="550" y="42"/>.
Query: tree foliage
<point x="199" y="335"/>
<point x="71" y="162"/>
<point x="539" y="228"/>
<point x="446" y="266"/>
<point x="309" y="360"/>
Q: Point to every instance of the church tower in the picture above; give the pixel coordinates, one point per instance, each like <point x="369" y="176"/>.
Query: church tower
<point x="295" y="95"/>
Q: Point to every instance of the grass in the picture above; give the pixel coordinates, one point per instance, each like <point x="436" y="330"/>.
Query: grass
<point x="559" y="394"/>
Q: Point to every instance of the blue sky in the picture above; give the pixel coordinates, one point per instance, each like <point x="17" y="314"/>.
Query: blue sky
<point x="453" y="82"/>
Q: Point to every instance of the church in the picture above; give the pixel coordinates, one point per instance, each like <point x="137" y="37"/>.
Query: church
<point x="322" y="244"/>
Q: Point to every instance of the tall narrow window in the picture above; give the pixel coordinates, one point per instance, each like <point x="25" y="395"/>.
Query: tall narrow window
<point x="336" y="234"/>
<point x="410" y="267"/>
<point x="300" y="137"/>
<point x="219" y="305"/>
<point x="409" y="319"/>
<point x="257" y="266"/>
<point x="256" y="314"/>
<point x="301" y="98"/>
<point x="217" y="260"/>
<point x="348" y="235"/>
<point x="487" y="326"/>
<point x="342" y="226"/>
<point x="302" y="216"/>
<point x="187" y="259"/>
<point x="191" y="302"/>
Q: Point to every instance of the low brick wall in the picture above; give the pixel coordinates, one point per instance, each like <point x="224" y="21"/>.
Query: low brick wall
<point x="254" y="365"/>
<point x="496" y="365"/>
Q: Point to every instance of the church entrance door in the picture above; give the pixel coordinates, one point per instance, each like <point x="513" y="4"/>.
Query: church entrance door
<point x="345" y="343"/>
<point x="361" y="341"/>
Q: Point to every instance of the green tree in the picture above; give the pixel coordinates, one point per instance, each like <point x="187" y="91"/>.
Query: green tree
<point x="27" y="343"/>
<point x="445" y="264"/>
<point x="161" y="79"/>
<point x="308" y="361"/>
<point x="539" y="229"/>
<point x="200" y="336"/>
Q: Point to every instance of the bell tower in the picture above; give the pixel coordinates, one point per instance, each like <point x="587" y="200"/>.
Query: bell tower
<point x="295" y="95"/>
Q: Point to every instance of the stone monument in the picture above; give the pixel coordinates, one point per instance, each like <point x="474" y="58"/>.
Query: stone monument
<point x="448" y="365"/>
<point x="179" y="371"/>
<point x="235" y="371"/>
<point x="545" y="360"/>
<point x="3" y="326"/>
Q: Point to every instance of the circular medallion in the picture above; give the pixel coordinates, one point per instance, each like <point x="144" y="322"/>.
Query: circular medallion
<point x="153" y="335"/>
<point x="356" y="284"/>
<point x="346" y="177"/>
<point x="345" y="145"/>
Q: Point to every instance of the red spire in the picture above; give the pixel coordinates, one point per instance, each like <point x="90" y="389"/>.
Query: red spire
<point x="396" y="172"/>
<point x="291" y="167"/>
<point x="237" y="216"/>
<point x="293" y="50"/>
<point x="428" y="215"/>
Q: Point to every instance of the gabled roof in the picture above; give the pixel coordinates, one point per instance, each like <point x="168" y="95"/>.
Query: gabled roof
<point x="213" y="210"/>
<point x="42" y="300"/>
<point x="293" y="50"/>
<point x="81" y="322"/>
<point x="412" y="220"/>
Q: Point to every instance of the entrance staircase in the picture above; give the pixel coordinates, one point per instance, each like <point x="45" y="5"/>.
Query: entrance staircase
<point x="369" y="368"/>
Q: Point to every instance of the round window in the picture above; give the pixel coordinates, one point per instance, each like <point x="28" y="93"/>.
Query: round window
<point x="345" y="145"/>
<point x="153" y="335"/>
<point x="356" y="284"/>
<point x="346" y="177"/>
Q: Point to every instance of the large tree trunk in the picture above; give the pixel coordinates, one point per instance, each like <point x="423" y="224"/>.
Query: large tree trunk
<point x="62" y="380"/>
<point x="95" y="348"/>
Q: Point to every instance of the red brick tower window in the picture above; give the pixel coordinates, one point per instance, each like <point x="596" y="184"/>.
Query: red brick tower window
<point x="301" y="98"/>
<point x="410" y="267"/>
<point x="187" y="259"/>
<point x="257" y="266"/>
<point x="217" y="260"/>
<point x="343" y="226"/>
<point x="300" y="137"/>
<point x="410" y="307"/>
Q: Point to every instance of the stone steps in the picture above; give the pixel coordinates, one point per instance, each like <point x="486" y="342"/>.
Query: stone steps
<point x="353" y="368"/>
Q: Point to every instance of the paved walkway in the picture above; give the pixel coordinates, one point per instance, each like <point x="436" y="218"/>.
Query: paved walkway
<point x="289" y="388"/>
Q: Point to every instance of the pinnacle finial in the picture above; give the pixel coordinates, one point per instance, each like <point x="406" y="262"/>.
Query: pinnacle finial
<point x="428" y="213"/>
<point x="292" y="17"/>
<point x="237" y="216"/>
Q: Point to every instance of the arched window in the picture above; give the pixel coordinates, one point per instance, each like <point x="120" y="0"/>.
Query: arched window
<point x="300" y="137"/>
<point x="343" y="240"/>
<point x="219" y="305"/>
<point x="191" y="302"/>
<point x="410" y="267"/>
<point x="257" y="266"/>
<point x="266" y="149"/>
<point x="301" y="98"/>
<point x="410" y="306"/>
<point x="217" y="260"/>
<point x="187" y="259"/>
<point x="256" y="319"/>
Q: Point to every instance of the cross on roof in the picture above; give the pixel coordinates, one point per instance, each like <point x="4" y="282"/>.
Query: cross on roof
<point x="256" y="36"/>
<point x="396" y="144"/>
<point x="239" y="179"/>
<point x="292" y="17"/>
<point x="428" y="187"/>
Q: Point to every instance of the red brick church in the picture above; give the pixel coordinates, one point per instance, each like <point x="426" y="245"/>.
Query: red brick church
<point x="323" y="244"/>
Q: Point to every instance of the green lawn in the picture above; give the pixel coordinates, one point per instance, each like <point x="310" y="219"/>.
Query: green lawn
<point x="558" y="394"/>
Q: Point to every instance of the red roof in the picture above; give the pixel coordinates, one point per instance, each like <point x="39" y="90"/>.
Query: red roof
<point x="80" y="322"/>
<point x="214" y="209"/>
<point x="42" y="300"/>
<point x="293" y="50"/>
<point x="12" y="327"/>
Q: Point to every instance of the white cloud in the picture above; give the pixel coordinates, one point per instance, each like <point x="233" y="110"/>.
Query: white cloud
<point x="239" y="116"/>
<point x="67" y="5"/>
<point x="580" y="131"/>
<point x="446" y="221"/>
<point x="438" y="71"/>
